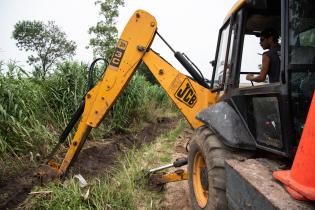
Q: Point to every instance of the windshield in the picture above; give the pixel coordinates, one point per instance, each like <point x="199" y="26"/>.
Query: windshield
<point x="221" y="57"/>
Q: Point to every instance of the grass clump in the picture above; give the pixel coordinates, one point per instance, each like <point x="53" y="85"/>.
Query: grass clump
<point x="19" y="99"/>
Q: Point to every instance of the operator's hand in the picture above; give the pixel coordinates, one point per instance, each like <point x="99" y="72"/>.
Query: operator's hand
<point x="250" y="77"/>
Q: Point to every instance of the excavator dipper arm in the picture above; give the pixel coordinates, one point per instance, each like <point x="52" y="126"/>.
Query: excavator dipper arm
<point x="132" y="48"/>
<point x="188" y="95"/>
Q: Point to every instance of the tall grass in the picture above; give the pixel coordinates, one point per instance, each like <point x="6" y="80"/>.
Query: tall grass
<point x="64" y="91"/>
<point x="34" y="112"/>
<point x="132" y="105"/>
<point x="18" y="123"/>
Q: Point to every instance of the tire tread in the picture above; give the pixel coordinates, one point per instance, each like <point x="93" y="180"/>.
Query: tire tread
<point x="215" y="153"/>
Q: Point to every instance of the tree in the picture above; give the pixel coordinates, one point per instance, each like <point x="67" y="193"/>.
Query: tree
<point x="105" y="32"/>
<point x="47" y="41"/>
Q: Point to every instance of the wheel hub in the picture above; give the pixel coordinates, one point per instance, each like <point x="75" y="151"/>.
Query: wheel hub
<point x="204" y="178"/>
<point x="200" y="180"/>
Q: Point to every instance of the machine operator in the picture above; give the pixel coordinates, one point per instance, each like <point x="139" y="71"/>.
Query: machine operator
<point x="269" y="39"/>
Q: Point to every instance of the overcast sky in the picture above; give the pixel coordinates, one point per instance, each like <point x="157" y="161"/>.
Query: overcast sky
<point x="190" y="26"/>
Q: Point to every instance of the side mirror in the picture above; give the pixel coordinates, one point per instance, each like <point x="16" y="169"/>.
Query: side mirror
<point x="213" y="63"/>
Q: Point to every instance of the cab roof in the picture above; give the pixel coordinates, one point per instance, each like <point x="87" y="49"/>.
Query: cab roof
<point x="263" y="14"/>
<point x="239" y="4"/>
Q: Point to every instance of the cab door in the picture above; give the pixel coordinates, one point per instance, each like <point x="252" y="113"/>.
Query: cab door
<point x="264" y="107"/>
<point x="220" y="65"/>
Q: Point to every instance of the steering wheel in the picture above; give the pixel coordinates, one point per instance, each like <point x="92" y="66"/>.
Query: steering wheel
<point x="247" y="72"/>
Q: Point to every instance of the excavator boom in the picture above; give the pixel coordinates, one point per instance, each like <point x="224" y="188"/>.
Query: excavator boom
<point x="132" y="48"/>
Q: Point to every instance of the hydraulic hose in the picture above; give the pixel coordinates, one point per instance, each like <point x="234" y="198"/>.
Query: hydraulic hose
<point x="192" y="69"/>
<point x="78" y="113"/>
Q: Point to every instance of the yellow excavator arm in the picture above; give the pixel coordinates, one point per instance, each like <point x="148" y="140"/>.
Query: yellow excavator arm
<point x="132" y="48"/>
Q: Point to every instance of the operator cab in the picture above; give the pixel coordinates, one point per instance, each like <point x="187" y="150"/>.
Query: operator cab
<point x="274" y="113"/>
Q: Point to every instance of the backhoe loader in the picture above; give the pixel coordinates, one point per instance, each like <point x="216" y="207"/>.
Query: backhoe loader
<point x="230" y="118"/>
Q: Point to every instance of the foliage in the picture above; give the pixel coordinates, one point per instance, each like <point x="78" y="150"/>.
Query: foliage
<point x="105" y="31"/>
<point x="64" y="91"/>
<point x="47" y="41"/>
<point x="35" y="112"/>
<point x="18" y="115"/>
<point x="132" y="105"/>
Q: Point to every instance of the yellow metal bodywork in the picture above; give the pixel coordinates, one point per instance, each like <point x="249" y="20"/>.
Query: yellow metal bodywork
<point x="175" y="176"/>
<point x="132" y="48"/>
<point x="188" y="95"/>
<point x="239" y="4"/>
<point x="159" y="179"/>
<point x="200" y="193"/>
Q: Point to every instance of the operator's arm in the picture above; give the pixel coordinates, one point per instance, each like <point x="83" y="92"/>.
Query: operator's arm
<point x="263" y="72"/>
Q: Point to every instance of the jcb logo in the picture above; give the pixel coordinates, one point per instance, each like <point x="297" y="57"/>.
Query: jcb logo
<point x="186" y="93"/>
<point x="119" y="53"/>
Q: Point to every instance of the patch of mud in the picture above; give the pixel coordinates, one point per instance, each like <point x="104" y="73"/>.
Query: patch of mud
<point x="99" y="157"/>
<point x="15" y="190"/>
<point x="176" y="195"/>
<point x="96" y="157"/>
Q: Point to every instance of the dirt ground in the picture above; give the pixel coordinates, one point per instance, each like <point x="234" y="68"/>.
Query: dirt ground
<point x="96" y="157"/>
<point x="176" y="194"/>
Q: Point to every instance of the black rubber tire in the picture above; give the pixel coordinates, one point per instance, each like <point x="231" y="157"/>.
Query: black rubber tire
<point x="214" y="153"/>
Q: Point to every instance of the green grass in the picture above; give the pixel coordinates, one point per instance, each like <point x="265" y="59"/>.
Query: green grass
<point x="123" y="188"/>
<point x="34" y="112"/>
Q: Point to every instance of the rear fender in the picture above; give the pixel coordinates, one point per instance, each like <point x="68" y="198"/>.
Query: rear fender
<point x="228" y="125"/>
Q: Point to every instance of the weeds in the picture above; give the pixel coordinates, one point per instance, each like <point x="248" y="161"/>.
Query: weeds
<point x="18" y="123"/>
<point x="34" y="112"/>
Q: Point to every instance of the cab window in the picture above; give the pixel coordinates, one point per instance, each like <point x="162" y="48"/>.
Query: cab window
<point x="220" y="61"/>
